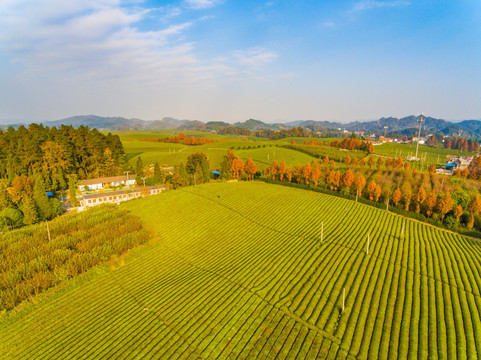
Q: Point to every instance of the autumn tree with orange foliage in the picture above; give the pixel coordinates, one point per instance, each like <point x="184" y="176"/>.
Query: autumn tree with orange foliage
<point x="282" y="169"/>
<point x="431" y="203"/>
<point x="371" y="188"/>
<point x="348" y="180"/>
<point x="474" y="209"/>
<point x="274" y="170"/>
<point x="420" y="198"/>
<point x="407" y="196"/>
<point x="370" y="162"/>
<point x="445" y="204"/>
<point x="237" y="168"/>
<point x="388" y="163"/>
<point x="360" y="183"/>
<point x="289" y="174"/>
<point x="379" y="163"/>
<point x="458" y="212"/>
<point x="396" y="197"/>
<point x="347" y="160"/>
<point x="250" y="169"/>
<point x="306" y="173"/>
<point x="22" y="186"/>
<point x="315" y="175"/>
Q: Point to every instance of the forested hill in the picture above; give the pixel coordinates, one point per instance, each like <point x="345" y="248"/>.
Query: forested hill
<point x="55" y="153"/>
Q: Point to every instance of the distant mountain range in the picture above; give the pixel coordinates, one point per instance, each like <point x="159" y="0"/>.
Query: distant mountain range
<point x="389" y="125"/>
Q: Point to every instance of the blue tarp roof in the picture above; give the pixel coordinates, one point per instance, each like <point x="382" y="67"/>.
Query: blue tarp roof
<point x="215" y="172"/>
<point x="451" y="165"/>
<point x="49" y="193"/>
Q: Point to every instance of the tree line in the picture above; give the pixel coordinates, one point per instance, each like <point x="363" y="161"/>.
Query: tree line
<point x="182" y="139"/>
<point x="392" y="182"/>
<point x="454" y="143"/>
<point x="37" y="159"/>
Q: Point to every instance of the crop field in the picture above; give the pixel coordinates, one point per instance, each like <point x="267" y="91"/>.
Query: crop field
<point x="438" y="156"/>
<point x="253" y="270"/>
<point x="173" y="154"/>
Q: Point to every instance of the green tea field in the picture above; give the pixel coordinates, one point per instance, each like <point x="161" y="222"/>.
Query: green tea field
<point x="438" y="156"/>
<point x="250" y="270"/>
<point x="173" y="154"/>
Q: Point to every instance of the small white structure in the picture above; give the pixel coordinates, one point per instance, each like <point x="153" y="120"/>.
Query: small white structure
<point x="101" y="183"/>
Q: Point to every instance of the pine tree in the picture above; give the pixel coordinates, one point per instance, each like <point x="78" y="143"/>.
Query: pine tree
<point x="5" y="200"/>
<point x="183" y="174"/>
<point x="157" y="174"/>
<point x="72" y="190"/>
<point x="198" y="175"/>
<point x="139" y="171"/>
<point x="225" y="169"/>
<point x="41" y="199"/>
<point x="30" y="215"/>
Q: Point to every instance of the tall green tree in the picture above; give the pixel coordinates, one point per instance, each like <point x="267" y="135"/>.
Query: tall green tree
<point x="29" y="210"/>
<point x="41" y="199"/>
<point x="5" y="200"/>
<point x="225" y="169"/>
<point x="139" y="171"/>
<point x="198" y="175"/>
<point x="183" y="174"/>
<point x="72" y="190"/>
<point x="157" y="174"/>
<point x="197" y="159"/>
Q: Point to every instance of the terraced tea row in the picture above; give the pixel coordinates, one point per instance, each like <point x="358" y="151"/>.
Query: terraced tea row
<point x="252" y="270"/>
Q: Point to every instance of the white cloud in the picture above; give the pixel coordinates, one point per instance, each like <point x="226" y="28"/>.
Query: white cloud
<point x="254" y="56"/>
<point x="91" y="38"/>
<point x="373" y="4"/>
<point x="201" y="4"/>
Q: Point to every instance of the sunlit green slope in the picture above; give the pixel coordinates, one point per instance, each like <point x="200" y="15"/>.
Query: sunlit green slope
<point x="238" y="270"/>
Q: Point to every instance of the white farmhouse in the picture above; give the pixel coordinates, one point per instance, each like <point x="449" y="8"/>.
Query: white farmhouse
<point x="101" y="183"/>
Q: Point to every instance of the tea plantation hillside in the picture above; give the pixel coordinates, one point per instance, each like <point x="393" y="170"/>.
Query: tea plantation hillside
<point x="238" y="270"/>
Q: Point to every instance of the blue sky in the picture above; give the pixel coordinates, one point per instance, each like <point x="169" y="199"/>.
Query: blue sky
<point x="231" y="60"/>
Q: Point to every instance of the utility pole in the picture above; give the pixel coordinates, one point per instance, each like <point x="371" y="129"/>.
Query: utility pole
<point x="387" y="205"/>
<point x="419" y="134"/>
<point x="343" y="299"/>
<point x="127" y="172"/>
<point x="144" y="180"/>
<point x="367" y="249"/>
<point x="48" y="231"/>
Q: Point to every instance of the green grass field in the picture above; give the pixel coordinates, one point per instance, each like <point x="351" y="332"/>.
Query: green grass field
<point x="238" y="270"/>
<point x="173" y="154"/>
<point x="438" y="156"/>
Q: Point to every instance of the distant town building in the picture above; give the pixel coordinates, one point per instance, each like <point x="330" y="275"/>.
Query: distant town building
<point x="102" y="183"/>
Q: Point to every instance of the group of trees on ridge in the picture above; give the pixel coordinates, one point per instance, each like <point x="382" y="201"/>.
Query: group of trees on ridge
<point x="182" y="139"/>
<point x="38" y="159"/>
<point x="391" y="181"/>
<point x="267" y="133"/>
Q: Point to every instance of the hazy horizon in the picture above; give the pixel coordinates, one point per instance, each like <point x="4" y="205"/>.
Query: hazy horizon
<point x="221" y="60"/>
